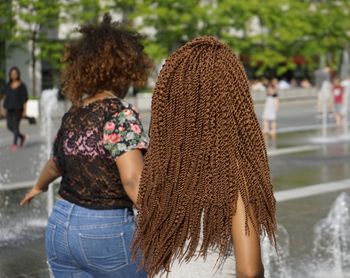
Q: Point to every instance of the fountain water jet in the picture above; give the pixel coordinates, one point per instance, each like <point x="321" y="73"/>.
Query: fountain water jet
<point x="332" y="241"/>
<point x="48" y="105"/>
<point x="276" y="263"/>
<point x="18" y="225"/>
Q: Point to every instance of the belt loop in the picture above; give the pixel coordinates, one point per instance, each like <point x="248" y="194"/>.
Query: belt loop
<point x="125" y="215"/>
<point x="69" y="213"/>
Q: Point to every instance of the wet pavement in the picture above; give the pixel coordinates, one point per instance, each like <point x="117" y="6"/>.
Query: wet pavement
<point x="295" y="159"/>
<point x="25" y="257"/>
<point x="321" y="163"/>
<point x="325" y="164"/>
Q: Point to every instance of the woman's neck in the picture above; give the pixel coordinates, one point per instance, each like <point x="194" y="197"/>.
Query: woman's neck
<point x="15" y="84"/>
<point x="99" y="96"/>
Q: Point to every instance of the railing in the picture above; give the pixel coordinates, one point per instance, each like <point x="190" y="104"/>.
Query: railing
<point x="290" y="94"/>
<point x="17" y="185"/>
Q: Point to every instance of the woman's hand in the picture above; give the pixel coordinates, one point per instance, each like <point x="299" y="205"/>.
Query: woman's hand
<point x="24" y="112"/>
<point x="49" y="173"/>
<point x="30" y="195"/>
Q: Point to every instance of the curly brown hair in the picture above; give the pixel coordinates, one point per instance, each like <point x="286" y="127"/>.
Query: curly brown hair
<point x="106" y="57"/>
<point x="206" y="148"/>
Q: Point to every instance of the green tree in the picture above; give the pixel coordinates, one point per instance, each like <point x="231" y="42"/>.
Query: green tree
<point x="171" y="22"/>
<point x="37" y="24"/>
<point x="266" y="33"/>
<point x="331" y="32"/>
<point x="270" y="34"/>
<point x="175" y="22"/>
<point x="124" y="7"/>
<point x="7" y="24"/>
<point x="81" y="11"/>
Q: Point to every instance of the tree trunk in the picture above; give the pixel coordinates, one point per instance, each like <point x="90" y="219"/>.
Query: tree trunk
<point x="33" y="58"/>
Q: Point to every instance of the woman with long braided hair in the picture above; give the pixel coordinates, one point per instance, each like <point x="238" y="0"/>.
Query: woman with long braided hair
<point x="206" y="180"/>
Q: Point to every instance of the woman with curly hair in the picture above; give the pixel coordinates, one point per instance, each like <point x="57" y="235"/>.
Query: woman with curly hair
<point x="98" y="154"/>
<point x="206" y="180"/>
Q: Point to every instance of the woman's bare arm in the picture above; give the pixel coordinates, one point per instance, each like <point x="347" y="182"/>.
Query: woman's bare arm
<point x="130" y="165"/>
<point x="24" y="113"/>
<point x="49" y="173"/>
<point x="246" y="246"/>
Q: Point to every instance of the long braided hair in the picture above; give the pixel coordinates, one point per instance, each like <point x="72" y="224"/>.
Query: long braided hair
<point x="206" y="148"/>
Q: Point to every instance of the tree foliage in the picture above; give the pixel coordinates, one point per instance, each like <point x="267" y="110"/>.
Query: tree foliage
<point x="80" y="11"/>
<point x="266" y="34"/>
<point x="270" y="34"/>
<point x="36" y="23"/>
<point x="7" y="24"/>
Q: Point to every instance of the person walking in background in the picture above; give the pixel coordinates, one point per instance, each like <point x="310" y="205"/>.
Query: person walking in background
<point x="270" y="111"/>
<point x="283" y="84"/>
<point x="305" y="83"/>
<point x="275" y="83"/>
<point x="16" y="96"/>
<point x="98" y="153"/>
<point x="206" y="180"/>
<point x="338" y="98"/>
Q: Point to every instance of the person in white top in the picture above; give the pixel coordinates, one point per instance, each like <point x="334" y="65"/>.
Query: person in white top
<point x="283" y="85"/>
<point x="270" y="111"/>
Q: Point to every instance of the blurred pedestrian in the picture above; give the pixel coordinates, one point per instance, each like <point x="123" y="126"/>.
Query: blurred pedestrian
<point x="270" y="111"/>
<point x="283" y="84"/>
<point x="338" y="97"/>
<point x="257" y="86"/>
<point x="16" y="96"/>
<point x="275" y="83"/>
<point x="293" y="83"/>
<point x="98" y="152"/>
<point x="305" y="83"/>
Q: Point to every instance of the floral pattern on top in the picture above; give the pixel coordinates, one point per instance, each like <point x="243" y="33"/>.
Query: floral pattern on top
<point x="124" y="132"/>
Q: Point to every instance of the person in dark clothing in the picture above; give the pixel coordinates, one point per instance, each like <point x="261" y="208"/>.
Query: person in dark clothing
<point x="2" y="113"/>
<point x="16" y="96"/>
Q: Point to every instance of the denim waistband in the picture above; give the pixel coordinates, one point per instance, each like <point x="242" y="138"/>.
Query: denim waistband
<point x="68" y="208"/>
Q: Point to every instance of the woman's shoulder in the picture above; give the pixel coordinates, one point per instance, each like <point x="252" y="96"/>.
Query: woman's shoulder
<point x="105" y="104"/>
<point x="22" y="85"/>
<point x="114" y="105"/>
<point x="105" y="107"/>
<point x="124" y="113"/>
<point x="6" y="85"/>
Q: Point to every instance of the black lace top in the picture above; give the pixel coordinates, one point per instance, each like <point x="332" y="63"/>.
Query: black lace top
<point x="15" y="98"/>
<point x="88" y="142"/>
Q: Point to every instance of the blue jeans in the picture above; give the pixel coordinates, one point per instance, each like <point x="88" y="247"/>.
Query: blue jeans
<point x="87" y="243"/>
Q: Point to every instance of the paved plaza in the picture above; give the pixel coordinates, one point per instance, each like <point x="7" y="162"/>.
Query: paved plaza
<point x="308" y="178"/>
